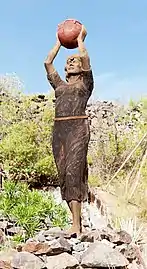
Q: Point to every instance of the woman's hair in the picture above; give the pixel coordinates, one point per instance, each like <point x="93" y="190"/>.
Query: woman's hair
<point x="77" y="56"/>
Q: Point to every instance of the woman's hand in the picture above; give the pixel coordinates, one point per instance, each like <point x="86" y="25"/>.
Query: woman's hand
<point x="82" y="34"/>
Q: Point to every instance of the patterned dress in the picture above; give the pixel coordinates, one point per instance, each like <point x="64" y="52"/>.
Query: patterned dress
<point x="71" y="137"/>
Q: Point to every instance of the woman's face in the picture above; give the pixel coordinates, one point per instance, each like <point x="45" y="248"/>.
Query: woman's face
<point x="73" y="65"/>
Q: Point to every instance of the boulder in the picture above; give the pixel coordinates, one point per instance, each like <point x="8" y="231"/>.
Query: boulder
<point x="102" y="255"/>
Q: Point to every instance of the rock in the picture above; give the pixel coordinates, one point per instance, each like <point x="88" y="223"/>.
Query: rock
<point x="134" y="265"/>
<point x="27" y="260"/>
<point x="15" y="230"/>
<point x="5" y="265"/>
<point x="48" y="222"/>
<point x="44" y="258"/>
<point x="19" y="248"/>
<point x="110" y="235"/>
<point x="62" y="261"/>
<point x="128" y="251"/>
<point x="102" y="255"/>
<point x="118" y="238"/>
<point x="54" y="230"/>
<point x="36" y="248"/>
<point x="106" y="242"/>
<point x="125" y="238"/>
<point x="3" y="225"/>
<point x="77" y="255"/>
<point x="2" y="218"/>
<point x="92" y="216"/>
<point x="49" y="238"/>
<point x="52" y="242"/>
<point x="7" y="255"/>
<point x="86" y="215"/>
<point x="141" y="256"/>
<point x="40" y="237"/>
<point x="56" y="233"/>
<point x="74" y="241"/>
<point x="31" y="240"/>
<point x="59" y="246"/>
<point x="79" y="247"/>
<point x="2" y="237"/>
<point x="91" y="236"/>
<point x="97" y="220"/>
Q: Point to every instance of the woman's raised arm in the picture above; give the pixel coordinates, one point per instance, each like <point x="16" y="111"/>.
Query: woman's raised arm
<point x="52" y="75"/>
<point x="48" y="63"/>
<point x="82" y="50"/>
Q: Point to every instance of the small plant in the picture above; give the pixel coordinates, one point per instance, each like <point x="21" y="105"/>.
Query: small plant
<point x="25" y="136"/>
<point x="131" y="226"/>
<point x="94" y="181"/>
<point x="30" y="208"/>
<point x="17" y="238"/>
<point x="89" y="159"/>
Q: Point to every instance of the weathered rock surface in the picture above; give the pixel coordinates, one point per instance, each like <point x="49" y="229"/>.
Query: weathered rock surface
<point x="91" y="236"/>
<point x="2" y="237"/>
<point x="5" y="265"/>
<point x="102" y="255"/>
<point x="120" y="237"/>
<point x="7" y="255"/>
<point x="27" y="260"/>
<point x="36" y="248"/>
<point x="59" y="246"/>
<point x="62" y="261"/>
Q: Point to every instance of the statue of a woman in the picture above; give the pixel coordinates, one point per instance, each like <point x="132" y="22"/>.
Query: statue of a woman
<point x="71" y="129"/>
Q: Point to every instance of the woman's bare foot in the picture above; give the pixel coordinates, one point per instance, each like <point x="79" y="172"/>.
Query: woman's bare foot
<point x="74" y="231"/>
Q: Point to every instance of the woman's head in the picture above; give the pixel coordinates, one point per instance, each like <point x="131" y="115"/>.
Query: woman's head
<point x="73" y="65"/>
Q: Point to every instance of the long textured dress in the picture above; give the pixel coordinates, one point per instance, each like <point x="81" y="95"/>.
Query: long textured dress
<point x="71" y="137"/>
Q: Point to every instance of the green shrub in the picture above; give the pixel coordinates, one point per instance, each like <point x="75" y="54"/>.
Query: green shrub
<point x="26" y="136"/>
<point x="23" y="155"/>
<point x="30" y="208"/>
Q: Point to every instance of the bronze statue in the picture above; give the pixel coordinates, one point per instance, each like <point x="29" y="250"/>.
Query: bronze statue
<point x="71" y="132"/>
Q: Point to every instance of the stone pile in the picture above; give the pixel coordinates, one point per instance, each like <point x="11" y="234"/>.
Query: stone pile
<point x="54" y="249"/>
<point x="106" y="115"/>
<point x="100" y="246"/>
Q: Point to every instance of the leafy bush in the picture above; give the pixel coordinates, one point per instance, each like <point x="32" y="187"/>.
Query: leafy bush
<point x="26" y="128"/>
<point x="30" y="208"/>
<point x="24" y="156"/>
